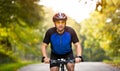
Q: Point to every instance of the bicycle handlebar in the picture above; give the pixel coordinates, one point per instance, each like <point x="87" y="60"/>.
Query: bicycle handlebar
<point x="61" y="61"/>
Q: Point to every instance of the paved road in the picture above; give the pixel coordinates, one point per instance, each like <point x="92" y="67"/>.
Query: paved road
<point x="84" y="66"/>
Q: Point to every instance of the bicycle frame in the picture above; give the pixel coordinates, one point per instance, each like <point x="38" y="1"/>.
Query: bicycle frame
<point x="61" y="61"/>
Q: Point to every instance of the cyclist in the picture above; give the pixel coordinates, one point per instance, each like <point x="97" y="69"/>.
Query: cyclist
<point x="61" y="37"/>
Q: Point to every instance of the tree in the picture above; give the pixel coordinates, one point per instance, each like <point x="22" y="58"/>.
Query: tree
<point x="112" y="25"/>
<point x="102" y="28"/>
<point x="16" y="10"/>
<point x="19" y="32"/>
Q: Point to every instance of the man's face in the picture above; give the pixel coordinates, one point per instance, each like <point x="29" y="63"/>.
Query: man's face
<point x="60" y="25"/>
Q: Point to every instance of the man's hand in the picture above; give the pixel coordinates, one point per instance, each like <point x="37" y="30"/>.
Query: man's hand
<point x="77" y="60"/>
<point x="46" y="60"/>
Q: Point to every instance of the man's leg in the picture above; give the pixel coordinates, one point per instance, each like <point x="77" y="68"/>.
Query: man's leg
<point x="54" y="68"/>
<point x="70" y="66"/>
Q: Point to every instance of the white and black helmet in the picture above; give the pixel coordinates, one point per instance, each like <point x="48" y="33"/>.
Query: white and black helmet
<point x="59" y="16"/>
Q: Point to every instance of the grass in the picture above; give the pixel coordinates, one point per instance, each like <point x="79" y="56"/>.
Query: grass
<point x="114" y="63"/>
<point x="13" y="66"/>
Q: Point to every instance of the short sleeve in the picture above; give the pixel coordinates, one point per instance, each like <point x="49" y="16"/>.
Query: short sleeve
<point x="74" y="36"/>
<point x="47" y="37"/>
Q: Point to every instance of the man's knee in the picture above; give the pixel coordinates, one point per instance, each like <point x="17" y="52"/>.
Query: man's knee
<point x="70" y="66"/>
<point x="54" y="68"/>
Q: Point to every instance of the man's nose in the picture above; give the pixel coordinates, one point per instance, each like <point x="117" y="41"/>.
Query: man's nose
<point x="60" y="23"/>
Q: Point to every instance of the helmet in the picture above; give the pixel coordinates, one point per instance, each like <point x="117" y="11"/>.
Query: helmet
<point x="59" y="16"/>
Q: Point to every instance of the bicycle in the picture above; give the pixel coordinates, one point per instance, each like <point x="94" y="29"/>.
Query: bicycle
<point x="62" y="62"/>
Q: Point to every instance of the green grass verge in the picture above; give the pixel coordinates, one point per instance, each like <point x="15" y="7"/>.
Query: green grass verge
<point x="13" y="66"/>
<point x="113" y="63"/>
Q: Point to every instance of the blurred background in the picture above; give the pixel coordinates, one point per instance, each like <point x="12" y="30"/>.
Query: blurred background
<point x="23" y="24"/>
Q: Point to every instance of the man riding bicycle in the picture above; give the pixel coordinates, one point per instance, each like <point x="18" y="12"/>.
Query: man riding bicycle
<point x="61" y="38"/>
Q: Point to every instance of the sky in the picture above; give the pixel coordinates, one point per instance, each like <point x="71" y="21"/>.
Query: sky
<point x="76" y="9"/>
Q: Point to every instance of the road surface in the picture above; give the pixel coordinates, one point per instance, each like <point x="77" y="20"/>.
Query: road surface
<point x="83" y="66"/>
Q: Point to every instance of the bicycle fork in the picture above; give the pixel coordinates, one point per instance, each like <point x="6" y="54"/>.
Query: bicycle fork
<point x="62" y="67"/>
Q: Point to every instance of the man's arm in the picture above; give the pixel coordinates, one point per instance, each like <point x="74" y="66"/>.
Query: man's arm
<point x="78" y="51"/>
<point x="44" y="52"/>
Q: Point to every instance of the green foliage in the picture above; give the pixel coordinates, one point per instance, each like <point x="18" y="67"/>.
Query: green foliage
<point x="6" y="58"/>
<point x="101" y="33"/>
<point x="29" y="12"/>
<point x="113" y="38"/>
<point x="25" y="42"/>
<point x="20" y="25"/>
<point x="94" y="54"/>
<point x="110" y="32"/>
<point x="12" y="66"/>
<point x="16" y="10"/>
<point x="115" y="63"/>
<point x="7" y="9"/>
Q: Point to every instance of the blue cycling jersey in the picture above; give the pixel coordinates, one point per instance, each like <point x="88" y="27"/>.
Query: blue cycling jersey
<point x="61" y="43"/>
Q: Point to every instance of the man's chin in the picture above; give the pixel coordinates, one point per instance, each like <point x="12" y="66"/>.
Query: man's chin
<point x="60" y="30"/>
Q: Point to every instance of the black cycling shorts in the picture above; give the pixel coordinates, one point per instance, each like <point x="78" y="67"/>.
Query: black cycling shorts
<point x="53" y="56"/>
